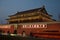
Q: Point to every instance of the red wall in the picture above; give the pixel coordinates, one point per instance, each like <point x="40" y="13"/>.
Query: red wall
<point x="5" y="30"/>
<point x="52" y="26"/>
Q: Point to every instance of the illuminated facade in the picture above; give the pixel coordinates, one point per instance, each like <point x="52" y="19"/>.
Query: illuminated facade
<point x="34" y="15"/>
<point x="36" y="21"/>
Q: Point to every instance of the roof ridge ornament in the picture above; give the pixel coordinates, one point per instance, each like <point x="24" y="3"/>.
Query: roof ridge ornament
<point x="43" y="6"/>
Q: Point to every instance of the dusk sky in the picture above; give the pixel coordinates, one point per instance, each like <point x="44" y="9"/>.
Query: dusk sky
<point x="10" y="7"/>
